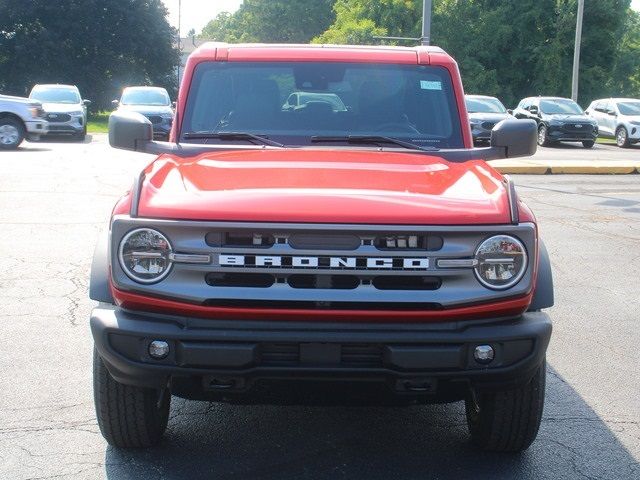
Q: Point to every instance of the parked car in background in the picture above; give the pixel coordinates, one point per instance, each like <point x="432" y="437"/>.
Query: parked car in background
<point x="618" y="118"/>
<point x="484" y="112"/>
<point x="20" y="118"/>
<point x="559" y="120"/>
<point x="65" y="110"/>
<point x="152" y="102"/>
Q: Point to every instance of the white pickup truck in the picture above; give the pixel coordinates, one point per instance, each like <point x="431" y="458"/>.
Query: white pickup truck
<point x="20" y="118"/>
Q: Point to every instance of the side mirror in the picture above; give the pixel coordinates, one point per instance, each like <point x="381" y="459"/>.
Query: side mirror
<point x="130" y="131"/>
<point x="174" y="105"/>
<point x="115" y="103"/>
<point x="611" y="112"/>
<point x="533" y="110"/>
<point x="518" y="138"/>
<point x="86" y="103"/>
<point x="510" y="111"/>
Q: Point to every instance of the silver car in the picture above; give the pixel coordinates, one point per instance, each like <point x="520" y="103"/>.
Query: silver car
<point x="618" y="118"/>
<point x="65" y="110"/>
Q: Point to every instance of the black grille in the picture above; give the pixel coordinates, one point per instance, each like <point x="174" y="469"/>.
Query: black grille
<point x="352" y="355"/>
<point x="578" y="127"/>
<point x="488" y="125"/>
<point x="155" y="119"/>
<point x="58" y="117"/>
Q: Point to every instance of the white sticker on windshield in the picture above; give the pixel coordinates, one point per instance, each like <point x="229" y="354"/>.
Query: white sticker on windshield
<point x="430" y="85"/>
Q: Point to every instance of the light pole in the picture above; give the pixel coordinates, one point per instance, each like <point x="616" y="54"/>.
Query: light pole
<point x="576" y="52"/>
<point x="426" y="21"/>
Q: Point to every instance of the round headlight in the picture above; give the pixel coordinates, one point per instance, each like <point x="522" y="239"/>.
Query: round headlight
<point x="144" y="255"/>
<point x="502" y="261"/>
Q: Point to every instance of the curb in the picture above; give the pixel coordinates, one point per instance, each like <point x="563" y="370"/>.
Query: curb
<point x="524" y="167"/>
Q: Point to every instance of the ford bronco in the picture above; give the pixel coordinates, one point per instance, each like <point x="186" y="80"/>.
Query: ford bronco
<point x="320" y="221"/>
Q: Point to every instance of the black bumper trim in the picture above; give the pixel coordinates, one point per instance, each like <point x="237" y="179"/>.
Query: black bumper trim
<point x="203" y="348"/>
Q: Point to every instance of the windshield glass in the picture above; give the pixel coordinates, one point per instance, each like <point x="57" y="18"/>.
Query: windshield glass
<point x="145" y="96"/>
<point x="55" y="95"/>
<point x="629" y="108"/>
<point x="484" y="105"/>
<point x="292" y="102"/>
<point x="560" y="106"/>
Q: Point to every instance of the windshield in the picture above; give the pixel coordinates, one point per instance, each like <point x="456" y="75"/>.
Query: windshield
<point x="629" y="108"/>
<point x="55" y="95"/>
<point x="145" y="96"/>
<point x="484" y="105"/>
<point x="293" y="102"/>
<point x="560" y="106"/>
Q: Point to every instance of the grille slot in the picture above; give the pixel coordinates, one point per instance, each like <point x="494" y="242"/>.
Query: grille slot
<point x="240" y="239"/>
<point x="302" y="241"/>
<point x="338" y="282"/>
<point x="388" y="282"/>
<point x="409" y="242"/>
<point x="254" y="280"/>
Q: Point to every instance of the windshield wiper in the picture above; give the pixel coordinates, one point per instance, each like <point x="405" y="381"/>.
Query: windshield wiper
<point x="371" y="139"/>
<point x="233" y="136"/>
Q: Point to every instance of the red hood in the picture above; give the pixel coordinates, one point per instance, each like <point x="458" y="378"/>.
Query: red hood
<point x="324" y="186"/>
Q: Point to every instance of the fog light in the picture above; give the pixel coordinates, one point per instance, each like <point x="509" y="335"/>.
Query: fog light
<point x="483" y="353"/>
<point x="159" y="349"/>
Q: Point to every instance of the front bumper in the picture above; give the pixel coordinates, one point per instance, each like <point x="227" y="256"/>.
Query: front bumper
<point x="36" y="128"/>
<point x="74" y="126"/>
<point x="214" y="358"/>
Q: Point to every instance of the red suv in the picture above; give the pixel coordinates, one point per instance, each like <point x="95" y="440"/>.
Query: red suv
<point x="351" y="240"/>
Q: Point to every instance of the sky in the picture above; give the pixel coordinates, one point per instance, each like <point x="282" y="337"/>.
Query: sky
<point x="197" y="13"/>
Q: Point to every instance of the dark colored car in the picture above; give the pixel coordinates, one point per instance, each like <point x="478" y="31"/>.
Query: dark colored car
<point x="559" y="120"/>
<point x="484" y="112"/>
<point x="152" y="102"/>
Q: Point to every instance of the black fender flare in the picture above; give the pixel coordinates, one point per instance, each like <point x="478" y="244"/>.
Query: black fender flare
<point x="99" y="289"/>
<point x="543" y="294"/>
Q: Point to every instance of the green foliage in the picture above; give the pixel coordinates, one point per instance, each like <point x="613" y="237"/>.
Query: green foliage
<point x="98" y="45"/>
<point x="511" y="49"/>
<point x="274" y="21"/>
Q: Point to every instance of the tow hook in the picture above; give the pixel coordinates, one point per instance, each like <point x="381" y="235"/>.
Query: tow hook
<point x="416" y="385"/>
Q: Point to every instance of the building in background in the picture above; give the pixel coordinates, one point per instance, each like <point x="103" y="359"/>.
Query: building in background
<point x="186" y="45"/>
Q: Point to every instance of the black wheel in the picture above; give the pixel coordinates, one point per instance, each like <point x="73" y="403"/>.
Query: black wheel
<point x="129" y="417"/>
<point x="588" y="144"/>
<point x="11" y="133"/>
<point x="543" y="139"/>
<point x="507" y="421"/>
<point x="622" y="137"/>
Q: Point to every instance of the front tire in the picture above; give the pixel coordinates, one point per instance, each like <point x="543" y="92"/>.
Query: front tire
<point x="622" y="137"/>
<point x="543" y="139"/>
<point x="507" y="421"/>
<point x="588" y="143"/>
<point x="12" y="133"/>
<point x="129" y="417"/>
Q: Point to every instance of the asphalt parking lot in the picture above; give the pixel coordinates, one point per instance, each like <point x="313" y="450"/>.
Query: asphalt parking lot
<point x="56" y="197"/>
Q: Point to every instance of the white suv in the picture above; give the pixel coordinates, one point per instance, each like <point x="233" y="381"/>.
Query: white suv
<point x="619" y="118"/>
<point x="65" y="109"/>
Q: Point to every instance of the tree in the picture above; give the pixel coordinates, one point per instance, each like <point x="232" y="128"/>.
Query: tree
<point x="273" y="21"/>
<point x="509" y="49"/>
<point x="99" y="45"/>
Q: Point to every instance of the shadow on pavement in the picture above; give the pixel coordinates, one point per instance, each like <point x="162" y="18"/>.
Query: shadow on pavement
<point x="217" y="441"/>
